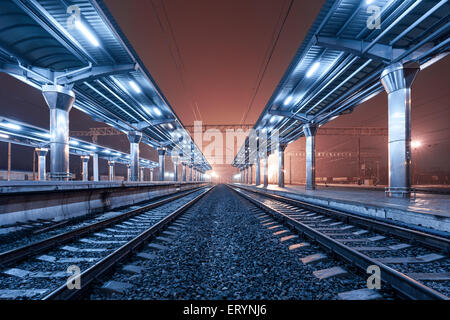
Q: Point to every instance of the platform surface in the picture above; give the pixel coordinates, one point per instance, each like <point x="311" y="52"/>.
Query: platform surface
<point x="434" y="208"/>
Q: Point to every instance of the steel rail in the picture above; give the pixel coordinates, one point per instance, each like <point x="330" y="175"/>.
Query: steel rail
<point x="33" y="249"/>
<point x="89" y="276"/>
<point x="426" y="239"/>
<point x="404" y="285"/>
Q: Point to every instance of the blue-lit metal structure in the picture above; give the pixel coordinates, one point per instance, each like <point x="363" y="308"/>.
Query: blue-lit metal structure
<point x="340" y="64"/>
<point x="17" y="132"/>
<point x="76" y="53"/>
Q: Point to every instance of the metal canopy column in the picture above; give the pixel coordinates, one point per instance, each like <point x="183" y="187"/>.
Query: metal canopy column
<point x="281" y="148"/>
<point x="184" y="171"/>
<point x="134" y="137"/>
<point x="42" y="166"/>
<point x="250" y="178"/>
<point x="141" y="176"/>
<point x="175" y="169"/>
<point x="397" y="80"/>
<point x="151" y="174"/>
<point x="161" y="153"/>
<point x="95" y="166"/>
<point x="190" y="172"/>
<point x="60" y="100"/>
<point x="111" y="170"/>
<point x="310" y="134"/>
<point x="85" y="172"/>
<point x="265" y="171"/>
<point x="258" y="170"/>
<point x="128" y="172"/>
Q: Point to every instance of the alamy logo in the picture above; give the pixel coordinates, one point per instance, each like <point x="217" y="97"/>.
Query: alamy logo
<point x="75" y="15"/>
<point x="74" y="281"/>
<point x="374" y="281"/>
<point x="374" y="20"/>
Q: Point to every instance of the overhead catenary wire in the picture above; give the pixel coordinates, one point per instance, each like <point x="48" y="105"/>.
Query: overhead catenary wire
<point x="272" y="50"/>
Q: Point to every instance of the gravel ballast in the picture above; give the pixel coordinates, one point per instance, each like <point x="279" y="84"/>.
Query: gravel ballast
<point x="221" y="251"/>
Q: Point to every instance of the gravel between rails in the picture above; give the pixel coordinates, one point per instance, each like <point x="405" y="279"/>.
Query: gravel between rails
<point x="223" y="252"/>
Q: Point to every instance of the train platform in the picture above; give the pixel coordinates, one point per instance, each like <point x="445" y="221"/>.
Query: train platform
<point x="425" y="210"/>
<point x="28" y="201"/>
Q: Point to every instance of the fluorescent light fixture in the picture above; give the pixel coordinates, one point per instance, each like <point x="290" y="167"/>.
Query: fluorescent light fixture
<point x="157" y="111"/>
<point x="87" y="33"/>
<point x="74" y="143"/>
<point x="170" y="126"/>
<point x="313" y="69"/>
<point x="135" y="86"/>
<point x="106" y="151"/>
<point x="118" y="154"/>
<point x="11" y="125"/>
<point x="44" y="135"/>
<point x="146" y="109"/>
<point x="288" y="100"/>
<point x="369" y="1"/>
<point x="4" y="136"/>
<point x="91" y="147"/>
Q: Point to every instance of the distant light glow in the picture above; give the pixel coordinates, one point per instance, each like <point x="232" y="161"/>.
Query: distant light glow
<point x="12" y="126"/>
<point x="416" y="144"/>
<point x="288" y="100"/>
<point x="87" y="33"/>
<point x="4" y="136"/>
<point x="313" y="69"/>
<point x="135" y="86"/>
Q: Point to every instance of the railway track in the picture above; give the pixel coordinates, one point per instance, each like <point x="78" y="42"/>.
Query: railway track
<point x="41" y="270"/>
<point x="415" y="264"/>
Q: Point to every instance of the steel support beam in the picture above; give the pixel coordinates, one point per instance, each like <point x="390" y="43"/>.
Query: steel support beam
<point x="42" y="166"/>
<point x="310" y="134"/>
<point x="397" y="80"/>
<point x="60" y="100"/>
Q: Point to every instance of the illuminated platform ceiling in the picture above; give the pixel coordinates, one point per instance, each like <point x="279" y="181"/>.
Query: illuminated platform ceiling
<point x="339" y="64"/>
<point x="47" y="42"/>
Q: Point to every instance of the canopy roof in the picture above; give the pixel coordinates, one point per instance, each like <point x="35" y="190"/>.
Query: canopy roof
<point x="79" y="44"/>
<point x="339" y="63"/>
